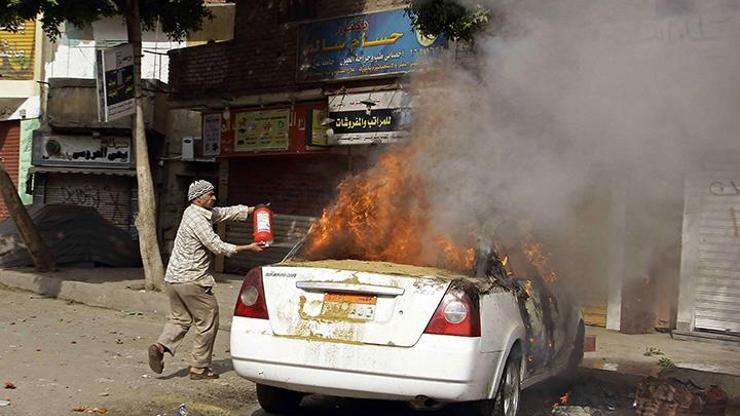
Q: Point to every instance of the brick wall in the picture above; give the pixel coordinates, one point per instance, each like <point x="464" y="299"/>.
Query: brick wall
<point x="10" y="134"/>
<point x="262" y="56"/>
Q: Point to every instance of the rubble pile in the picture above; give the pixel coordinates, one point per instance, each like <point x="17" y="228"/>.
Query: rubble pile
<point x="575" y="411"/>
<point x="673" y="397"/>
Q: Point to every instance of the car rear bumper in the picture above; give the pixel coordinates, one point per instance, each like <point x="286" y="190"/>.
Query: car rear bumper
<point x="443" y="368"/>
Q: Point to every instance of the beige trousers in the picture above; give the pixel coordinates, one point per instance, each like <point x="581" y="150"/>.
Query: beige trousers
<point x="191" y="305"/>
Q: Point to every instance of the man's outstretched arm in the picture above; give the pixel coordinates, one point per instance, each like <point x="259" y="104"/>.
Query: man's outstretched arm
<point x="233" y="213"/>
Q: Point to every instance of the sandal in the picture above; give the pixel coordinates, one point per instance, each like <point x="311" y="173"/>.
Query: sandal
<point x="207" y="374"/>
<point x="156" y="359"/>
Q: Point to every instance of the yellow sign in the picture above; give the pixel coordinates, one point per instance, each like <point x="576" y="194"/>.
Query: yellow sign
<point x="261" y="130"/>
<point x="318" y="130"/>
<point x="16" y="51"/>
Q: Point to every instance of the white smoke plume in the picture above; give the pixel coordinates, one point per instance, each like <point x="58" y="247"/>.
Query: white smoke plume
<point x="575" y="114"/>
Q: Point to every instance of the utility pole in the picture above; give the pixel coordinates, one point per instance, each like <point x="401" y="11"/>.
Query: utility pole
<point x="40" y="254"/>
<point x="146" y="220"/>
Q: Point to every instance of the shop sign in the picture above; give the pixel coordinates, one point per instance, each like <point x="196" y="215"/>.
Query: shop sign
<point x="380" y="117"/>
<point x="362" y="46"/>
<point x="261" y="130"/>
<point x="76" y="151"/>
<point x="211" y="134"/>
<point x="16" y="51"/>
<point x="115" y="78"/>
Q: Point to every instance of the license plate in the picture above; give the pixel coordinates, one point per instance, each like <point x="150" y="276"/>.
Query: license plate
<point x="340" y="306"/>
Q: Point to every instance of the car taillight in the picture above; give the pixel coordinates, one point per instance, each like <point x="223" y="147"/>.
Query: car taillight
<point x="457" y="315"/>
<point x="251" y="300"/>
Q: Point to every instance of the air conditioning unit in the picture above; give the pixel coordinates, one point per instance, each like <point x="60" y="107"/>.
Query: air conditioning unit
<point x="188" y="148"/>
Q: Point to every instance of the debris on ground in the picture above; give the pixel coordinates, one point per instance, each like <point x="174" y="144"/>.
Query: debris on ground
<point x="672" y="397"/>
<point x="575" y="411"/>
<point x="73" y="234"/>
<point x="183" y="411"/>
<point x="87" y="409"/>
<point x="4" y="403"/>
<point x="9" y="385"/>
<point x="665" y="363"/>
<point x="651" y="351"/>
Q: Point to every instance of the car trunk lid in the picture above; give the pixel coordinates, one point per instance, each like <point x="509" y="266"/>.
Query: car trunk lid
<point x="353" y="302"/>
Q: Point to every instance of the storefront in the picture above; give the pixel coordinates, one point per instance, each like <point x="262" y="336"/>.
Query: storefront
<point x="267" y="155"/>
<point x="10" y="135"/>
<point x="709" y="299"/>
<point x="94" y="171"/>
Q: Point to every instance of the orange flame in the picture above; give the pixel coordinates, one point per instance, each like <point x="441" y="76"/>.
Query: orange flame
<point x="538" y="256"/>
<point x="383" y="215"/>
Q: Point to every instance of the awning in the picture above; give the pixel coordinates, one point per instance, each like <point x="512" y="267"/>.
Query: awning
<point x="84" y="171"/>
<point x="19" y="108"/>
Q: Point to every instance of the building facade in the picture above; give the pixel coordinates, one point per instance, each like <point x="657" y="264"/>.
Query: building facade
<point x="20" y="104"/>
<point x="296" y="101"/>
<point x="79" y="159"/>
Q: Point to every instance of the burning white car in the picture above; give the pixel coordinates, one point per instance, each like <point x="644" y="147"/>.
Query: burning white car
<point x="377" y="330"/>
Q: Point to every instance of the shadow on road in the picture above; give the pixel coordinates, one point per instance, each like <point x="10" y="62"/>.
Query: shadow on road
<point x="534" y="402"/>
<point x="218" y="366"/>
<point x="611" y="396"/>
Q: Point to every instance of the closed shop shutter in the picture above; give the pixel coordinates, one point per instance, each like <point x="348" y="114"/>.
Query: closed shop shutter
<point x="294" y="185"/>
<point x="716" y="276"/>
<point x="112" y="196"/>
<point x="298" y="190"/>
<point x="10" y="134"/>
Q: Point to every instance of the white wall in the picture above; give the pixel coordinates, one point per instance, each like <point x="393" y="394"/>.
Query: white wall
<point x="73" y="54"/>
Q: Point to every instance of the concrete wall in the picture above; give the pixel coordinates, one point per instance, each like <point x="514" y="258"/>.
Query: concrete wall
<point x="72" y="103"/>
<point x="73" y="54"/>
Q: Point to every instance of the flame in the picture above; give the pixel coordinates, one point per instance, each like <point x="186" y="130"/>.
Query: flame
<point x="536" y="254"/>
<point x="383" y="215"/>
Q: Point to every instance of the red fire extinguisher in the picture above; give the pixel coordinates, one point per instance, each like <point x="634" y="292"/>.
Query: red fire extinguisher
<point x="262" y="224"/>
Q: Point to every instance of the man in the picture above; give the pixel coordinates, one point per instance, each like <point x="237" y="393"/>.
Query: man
<point x="189" y="280"/>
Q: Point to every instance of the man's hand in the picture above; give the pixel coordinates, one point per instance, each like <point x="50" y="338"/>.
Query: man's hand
<point x="254" y="247"/>
<point x="250" y="210"/>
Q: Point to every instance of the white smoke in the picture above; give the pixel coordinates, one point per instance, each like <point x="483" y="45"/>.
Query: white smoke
<point x="574" y="114"/>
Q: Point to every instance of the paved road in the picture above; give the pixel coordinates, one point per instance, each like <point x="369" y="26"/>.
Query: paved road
<point x="61" y="356"/>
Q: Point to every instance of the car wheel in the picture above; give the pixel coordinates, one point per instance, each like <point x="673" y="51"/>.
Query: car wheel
<point x="509" y="389"/>
<point x="278" y="401"/>
<point x="506" y="402"/>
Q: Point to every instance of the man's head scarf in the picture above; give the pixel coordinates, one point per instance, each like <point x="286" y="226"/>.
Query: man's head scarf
<point x="199" y="188"/>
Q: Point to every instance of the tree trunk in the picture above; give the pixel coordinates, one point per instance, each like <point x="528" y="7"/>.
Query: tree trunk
<point x="40" y="254"/>
<point x="146" y="220"/>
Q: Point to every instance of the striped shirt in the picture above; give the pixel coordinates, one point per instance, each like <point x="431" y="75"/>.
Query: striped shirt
<point x="191" y="259"/>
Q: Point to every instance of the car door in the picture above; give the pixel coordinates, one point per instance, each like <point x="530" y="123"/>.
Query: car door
<point x="539" y="307"/>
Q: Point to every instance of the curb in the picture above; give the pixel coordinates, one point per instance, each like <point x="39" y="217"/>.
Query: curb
<point x="108" y="295"/>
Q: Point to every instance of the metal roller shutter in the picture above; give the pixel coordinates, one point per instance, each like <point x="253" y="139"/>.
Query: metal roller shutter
<point x="10" y="136"/>
<point x="287" y="231"/>
<point x="717" y="274"/>
<point x="298" y="189"/>
<point x="112" y="196"/>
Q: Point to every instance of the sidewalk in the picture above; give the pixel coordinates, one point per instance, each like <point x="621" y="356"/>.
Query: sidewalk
<point x="640" y="355"/>
<point x="633" y="355"/>
<point x="113" y="288"/>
